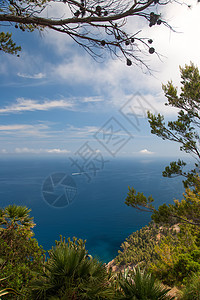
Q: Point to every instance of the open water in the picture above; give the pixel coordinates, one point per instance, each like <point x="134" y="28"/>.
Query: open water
<point x="97" y="213"/>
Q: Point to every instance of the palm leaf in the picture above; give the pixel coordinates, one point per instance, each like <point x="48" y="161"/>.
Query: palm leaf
<point x="141" y="285"/>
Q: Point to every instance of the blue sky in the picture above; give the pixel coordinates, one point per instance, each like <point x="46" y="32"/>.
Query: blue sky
<point x="55" y="98"/>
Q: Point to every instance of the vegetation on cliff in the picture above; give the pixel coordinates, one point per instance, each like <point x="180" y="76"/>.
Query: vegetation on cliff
<point x="139" y="247"/>
<point x="20" y="255"/>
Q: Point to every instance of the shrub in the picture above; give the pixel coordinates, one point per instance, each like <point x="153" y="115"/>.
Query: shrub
<point x="141" y="285"/>
<point x="192" y="289"/>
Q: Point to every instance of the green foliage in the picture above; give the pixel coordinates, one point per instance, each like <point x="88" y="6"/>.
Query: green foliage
<point x="20" y="255"/>
<point x="139" y="246"/>
<point x="7" y="45"/>
<point x="14" y="216"/>
<point x="177" y="256"/>
<point x="7" y="291"/>
<point x="176" y="169"/>
<point x="70" y="273"/>
<point x="165" y="214"/>
<point x="139" y="201"/>
<point x="19" y="12"/>
<point x="171" y="254"/>
<point x="187" y="210"/>
<point x="192" y="288"/>
<point x="184" y="130"/>
<point x="141" y="285"/>
<point x="185" y="265"/>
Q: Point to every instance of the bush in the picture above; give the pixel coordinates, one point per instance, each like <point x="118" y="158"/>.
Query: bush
<point x="141" y="285"/>
<point x="20" y="255"/>
<point x="192" y="289"/>
<point x="185" y="266"/>
<point x="70" y="273"/>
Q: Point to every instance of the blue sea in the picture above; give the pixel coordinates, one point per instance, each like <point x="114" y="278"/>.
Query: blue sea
<point x="97" y="213"/>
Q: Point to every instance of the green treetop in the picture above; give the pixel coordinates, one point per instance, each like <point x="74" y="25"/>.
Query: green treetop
<point x="185" y="131"/>
<point x="20" y="255"/>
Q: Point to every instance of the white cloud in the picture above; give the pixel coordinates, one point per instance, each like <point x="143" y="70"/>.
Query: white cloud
<point x="34" y="76"/>
<point x="62" y="43"/>
<point x="145" y="151"/>
<point x="3" y="151"/>
<point x="57" y="151"/>
<point x="98" y="151"/>
<point x="114" y="80"/>
<point x="22" y="105"/>
<point x="93" y="99"/>
<point x="43" y="130"/>
<point x="136" y="105"/>
<point x="81" y="132"/>
<point x="16" y="131"/>
<point x="15" y="127"/>
<point x="40" y="151"/>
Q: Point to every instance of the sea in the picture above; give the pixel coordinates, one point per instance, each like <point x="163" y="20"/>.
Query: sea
<point x="89" y="206"/>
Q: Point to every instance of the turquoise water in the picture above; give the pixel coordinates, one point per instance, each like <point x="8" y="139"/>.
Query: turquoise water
<point x="98" y="213"/>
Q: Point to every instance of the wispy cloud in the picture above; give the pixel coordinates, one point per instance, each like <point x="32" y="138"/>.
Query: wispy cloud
<point x="82" y="132"/>
<point x="45" y="133"/>
<point x="22" y="105"/>
<point x="40" y="151"/>
<point x="39" y="130"/>
<point x="45" y="130"/>
<point x="92" y="99"/>
<point x="15" y="127"/>
<point x="31" y="76"/>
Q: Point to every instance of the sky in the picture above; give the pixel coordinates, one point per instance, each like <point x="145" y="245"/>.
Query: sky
<point x="56" y="99"/>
